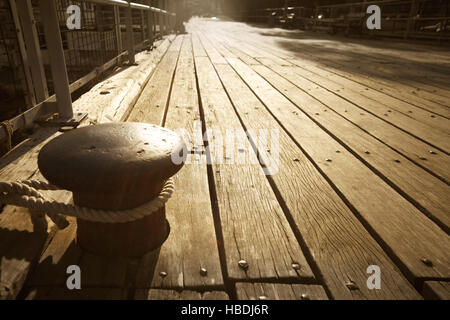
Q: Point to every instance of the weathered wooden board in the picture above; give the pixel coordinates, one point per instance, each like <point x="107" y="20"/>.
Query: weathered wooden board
<point x="211" y="51"/>
<point x="253" y="224"/>
<point x="192" y="243"/>
<point x="394" y="89"/>
<point x="417" y="74"/>
<point x="402" y="229"/>
<point x="427" y="190"/>
<point x="278" y="291"/>
<point x="220" y="48"/>
<point x="436" y="90"/>
<point x="183" y="114"/>
<point x="152" y="103"/>
<point x="220" y="42"/>
<point x="197" y="46"/>
<point x="414" y="149"/>
<point x="411" y="147"/>
<point x="436" y="290"/>
<point x="107" y="101"/>
<point x="255" y="52"/>
<point x="340" y="246"/>
<point x="381" y="66"/>
<point x="154" y="294"/>
<point x="423" y="131"/>
<point x="389" y="103"/>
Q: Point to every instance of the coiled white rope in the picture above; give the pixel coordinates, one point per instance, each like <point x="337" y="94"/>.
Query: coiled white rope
<point x="25" y="194"/>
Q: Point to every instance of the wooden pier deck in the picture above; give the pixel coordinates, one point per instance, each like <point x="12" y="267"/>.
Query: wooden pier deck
<point x="362" y="179"/>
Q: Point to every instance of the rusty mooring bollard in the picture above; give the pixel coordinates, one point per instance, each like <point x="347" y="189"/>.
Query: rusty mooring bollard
<point x="115" y="166"/>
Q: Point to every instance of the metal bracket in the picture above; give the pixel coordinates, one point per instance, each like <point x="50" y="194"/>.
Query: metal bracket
<point x="56" y="121"/>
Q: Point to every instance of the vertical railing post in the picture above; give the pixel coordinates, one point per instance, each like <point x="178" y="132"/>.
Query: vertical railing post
<point x="118" y="30"/>
<point x="163" y="18"/>
<point x="56" y="58"/>
<point x="99" y="21"/>
<point x="130" y="35"/>
<point x="180" y="8"/>
<point x="412" y="14"/>
<point x="172" y="17"/>
<point x="142" y="25"/>
<point x="33" y="50"/>
<point x="167" y="8"/>
<point x="154" y="23"/>
<point x="150" y="24"/>
<point x="29" y="91"/>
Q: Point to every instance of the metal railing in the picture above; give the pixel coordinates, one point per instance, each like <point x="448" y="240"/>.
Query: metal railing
<point x="60" y="60"/>
<point x="399" y="18"/>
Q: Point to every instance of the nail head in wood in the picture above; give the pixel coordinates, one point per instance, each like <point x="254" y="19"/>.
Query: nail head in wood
<point x="243" y="264"/>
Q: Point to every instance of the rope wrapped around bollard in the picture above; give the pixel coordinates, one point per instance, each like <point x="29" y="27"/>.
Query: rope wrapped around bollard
<point x="120" y="178"/>
<point x="26" y="194"/>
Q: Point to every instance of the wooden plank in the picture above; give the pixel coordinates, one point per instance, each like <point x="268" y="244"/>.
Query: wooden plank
<point x="55" y="52"/>
<point x="376" y="82"/>
<point x="402" y="229"/>
<point x="105" y="272"/>
<point x="254" y="52"/>
<point x="278" y="291"/>
<point x="154" y="294"/>
<point x="152" y="103"/>
<point x="183" y="113"/>
<point x="326" y="51"/>
<point x="219" y="41"/>
<point x="436" y="290"/>
<point x="197" y="46"/>
<point x="423" y="131"/>
<point x="425" y="189"/>
<point x="192" y="243"/>
<point x="248" y="208"/>
<point x="212" y="52"/>
<point x="412" y="148"/>
<point x="409" y="146"/>
<point x="319" y="212"/>
<point x="28" y="238"/>
<point x="388" y="71"/>
<point x="61" y="252"/>
<point x="387" y="101"/>
<point x="436" y="205"/>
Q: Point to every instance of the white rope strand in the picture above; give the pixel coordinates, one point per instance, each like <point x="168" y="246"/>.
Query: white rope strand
<point x="25" y="194"/>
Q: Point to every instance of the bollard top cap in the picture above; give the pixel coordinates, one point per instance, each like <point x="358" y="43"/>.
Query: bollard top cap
<point x="112" y="158"/>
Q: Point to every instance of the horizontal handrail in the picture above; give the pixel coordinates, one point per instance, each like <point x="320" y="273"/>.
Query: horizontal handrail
<point x="133" y="5"/>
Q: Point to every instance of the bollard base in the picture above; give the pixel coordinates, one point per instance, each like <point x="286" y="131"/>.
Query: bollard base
<point x="132" y="239"/>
